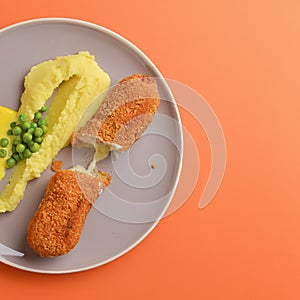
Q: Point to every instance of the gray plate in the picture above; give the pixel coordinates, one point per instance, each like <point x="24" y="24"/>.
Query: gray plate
<point x="138" y="196"/>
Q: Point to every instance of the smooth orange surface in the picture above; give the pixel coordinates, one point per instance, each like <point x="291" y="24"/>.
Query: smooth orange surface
<point x="244" y="58"/>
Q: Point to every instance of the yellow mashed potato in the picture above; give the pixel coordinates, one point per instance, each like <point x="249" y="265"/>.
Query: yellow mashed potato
<point x="79" y="81"/>
<point x="7" y="116"/>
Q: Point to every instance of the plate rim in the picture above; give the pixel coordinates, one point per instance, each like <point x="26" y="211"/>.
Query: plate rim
<point x="147" y="60"/>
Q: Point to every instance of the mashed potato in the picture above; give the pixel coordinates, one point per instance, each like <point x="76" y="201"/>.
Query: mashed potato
<point x="79" y="81"/>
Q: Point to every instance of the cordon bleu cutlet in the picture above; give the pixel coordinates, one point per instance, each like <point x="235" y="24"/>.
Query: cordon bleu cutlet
<point x="123" y="116"/>
<point x="56" y="226"/>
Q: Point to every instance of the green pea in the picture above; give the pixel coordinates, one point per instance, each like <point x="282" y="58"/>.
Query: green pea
<point x="17" y="140"/>
<point x="30" y="144"/>
<point x="42" y="122"/>
<point x="17" y="130"/>
<point x="3" y="153"/>
<point x="39" y="140"/>
<point x="33" y="125"/>
<point x="22" y="118"/>
<point x="38" y="132"/>
<point x="45" y="129"/>
<point x="43" y="108"/>
<point x="27" y="153"/>
<point x="26" y="126"/>
<point x="30" y="130"/>
<point x="9" y="132"/>
<point x="37" y="115"/>
<point x="35" y="148"/>
<point x="20" y="148"/>
<point x="27" y="137"/>
<point x="13" y="124"/>
<point x="16" y="157"/>
<point x="13" y="149"/>
<point x="21" y="155"/>
<point x="10" y="162"/>
<point x="4" y="142"/>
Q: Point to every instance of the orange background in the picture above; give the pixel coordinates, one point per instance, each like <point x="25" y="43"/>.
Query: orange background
<point x="244" y="58"/>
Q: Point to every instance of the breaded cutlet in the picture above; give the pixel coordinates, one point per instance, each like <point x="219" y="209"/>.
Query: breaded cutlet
<point x="125" y="113"/>
<point x="56" y="226"/>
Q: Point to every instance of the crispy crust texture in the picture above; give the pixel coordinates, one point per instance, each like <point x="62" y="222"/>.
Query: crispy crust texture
<point x="56" y="226"/>
<point x="56" y="165"/>
<point x="125" y="113"/>
<point x="128" y="122"/>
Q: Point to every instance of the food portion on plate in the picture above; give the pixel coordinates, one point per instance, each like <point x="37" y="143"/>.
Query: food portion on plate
<point x="117" y="121"/>
<point x="7" y="117"/>
<point x="79" y="80"/>
<point x="56" y="226"/>
<point x="123" y="116"/>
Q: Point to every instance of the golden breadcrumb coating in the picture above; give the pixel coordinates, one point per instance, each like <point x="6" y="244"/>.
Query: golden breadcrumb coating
<point x="56" y="226"/>
<point x="125" y="113"/>
<point x="56" y="165"/>
<point x="128" y="122"/>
